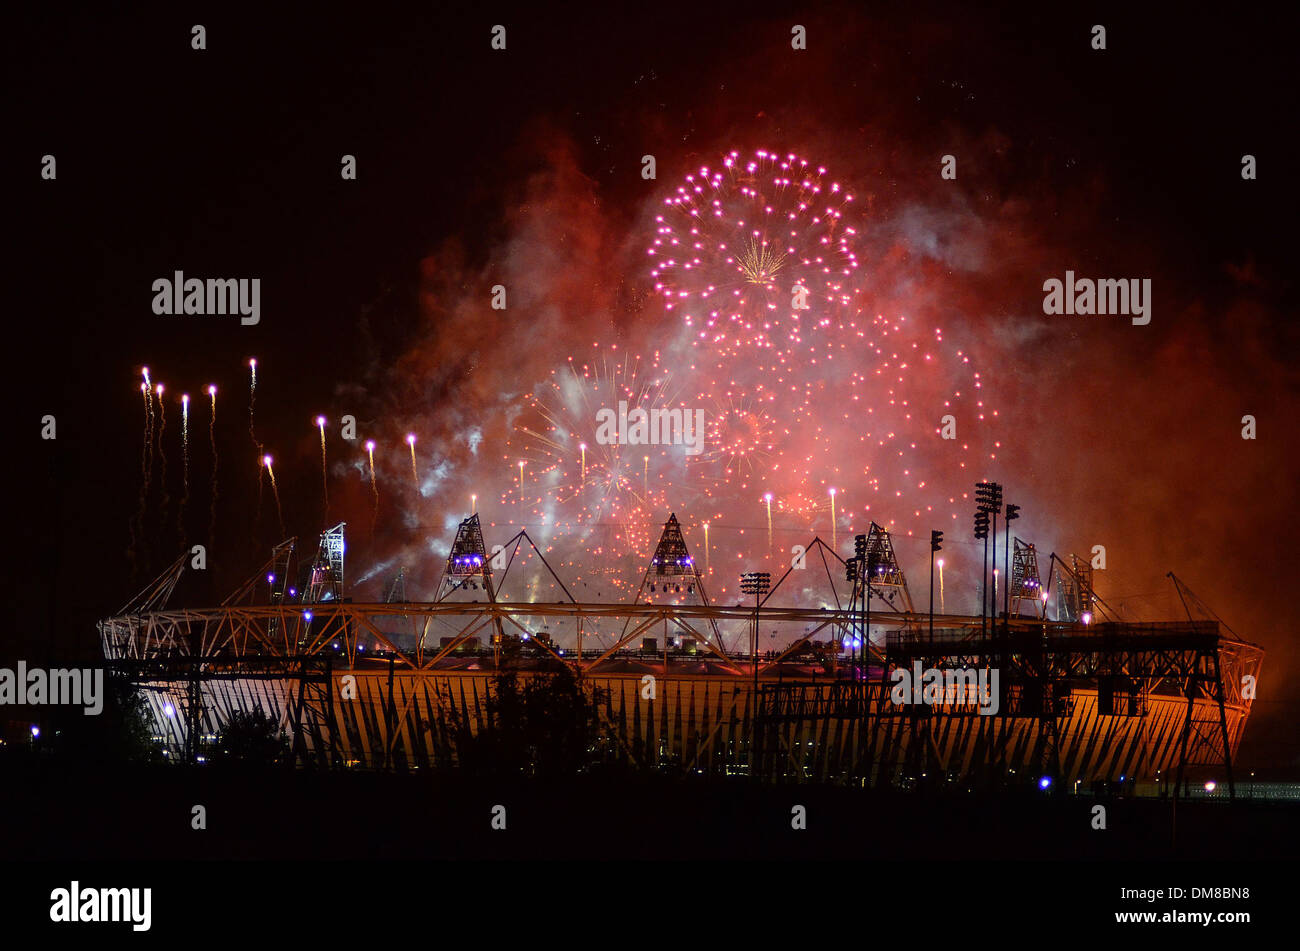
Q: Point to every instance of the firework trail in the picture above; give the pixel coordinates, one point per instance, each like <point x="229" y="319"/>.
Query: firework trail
<point x="834" y="535"/>
<point x="415" y="475"/>
<point x="185" y="466"/>
<point x="324" y="471"/>
<point x="137" y="523"/>
<point x="943" y="608"/>
<point x="212" y="443"/>
<point x="252" y="400"/>
<point x="257" y="516"/>
<point x="162" y="454"/>
<point x="266" y="461"/>
<point x="768" y="499"/>
<point x="374" y="487"/>
<point x="146" y="389"/>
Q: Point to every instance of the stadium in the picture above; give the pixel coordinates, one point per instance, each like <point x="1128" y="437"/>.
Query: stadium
<point x="682" y="684"/>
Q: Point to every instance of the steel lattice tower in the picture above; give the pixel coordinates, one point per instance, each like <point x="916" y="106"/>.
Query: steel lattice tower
<point x="1026" y="584"/>
<point x="325" y="582"/>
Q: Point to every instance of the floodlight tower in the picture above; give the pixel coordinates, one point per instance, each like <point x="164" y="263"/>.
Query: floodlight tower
<point x="982" y="531"/>
<point x="1013" y="513"/>
<point x="757" y="583"/>
<point x="936" y="545"/>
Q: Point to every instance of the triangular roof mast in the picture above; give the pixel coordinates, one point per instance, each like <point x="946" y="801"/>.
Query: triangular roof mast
<point x="887" y="579"/>
<point x="1026" y="585"/>
<point x="468" y="566"/>
<point x="672" y="564"/>
<point x="325" y="579"/>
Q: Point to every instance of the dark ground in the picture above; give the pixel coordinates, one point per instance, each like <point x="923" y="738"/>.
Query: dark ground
<point x="145" y="812"/>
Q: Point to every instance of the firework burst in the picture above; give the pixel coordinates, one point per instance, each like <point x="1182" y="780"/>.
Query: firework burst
<point x="598" y="498"/>
<point x="756" y="253"/>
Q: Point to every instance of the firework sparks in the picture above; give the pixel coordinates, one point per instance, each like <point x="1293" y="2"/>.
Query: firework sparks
<point x="834" y="537"/>
<point x="324" y="470"/>
<point x="252" y="400"/>
<point x="583" y="486"/>
<point x="275" y="490"/>
<point x="797" y="400"/>
<point x="146" y="389"/>
<point x="943" y="608"/>
<point x="760" y="242"/>
<point x="415" y="475"/>
<point x="185" y="465"/>
<point x="758" y="260"/>
<point x="162" y="453"/>
<point x="212" y="444"/>
<point x="137" y="524"/>
<point x="374" y="486"/>
<point x="768" y="499"/>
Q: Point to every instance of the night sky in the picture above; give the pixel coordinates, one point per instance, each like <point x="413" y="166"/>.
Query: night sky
<point x="523" y="167"/>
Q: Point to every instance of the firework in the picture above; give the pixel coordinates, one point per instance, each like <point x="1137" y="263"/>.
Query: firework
<point x="943" y="609"/>
<point x="583" y="486"/>
<point x="270" y="471"/>
<point x="137" y="523"/>
<point x="834" y="537"/>
<point x="758" y="243"/>
<point x="212" y="443"/>
<point x="758" y="261"/>
<point x="740" y="441"/>
<point x="324" y="470"/>
<point x="415" y="475"/>
<point x="162" y="453"/>
<point x="768" y="499"/>
<point x="374" y="486"/>
<point x="252" y="399"/>
<point x="799" y="402"/>
<point x="185" y="465"/>
<point x="146" y="389"/>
